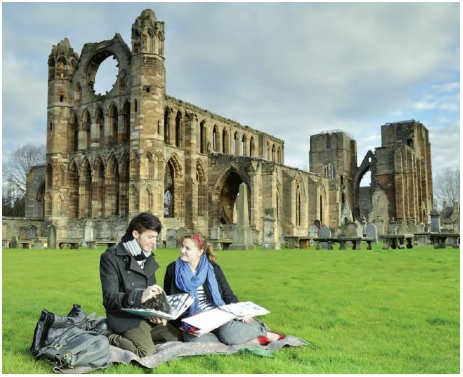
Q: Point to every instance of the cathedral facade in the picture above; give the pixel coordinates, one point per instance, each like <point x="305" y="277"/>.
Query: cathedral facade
<point x="136" y="149"/>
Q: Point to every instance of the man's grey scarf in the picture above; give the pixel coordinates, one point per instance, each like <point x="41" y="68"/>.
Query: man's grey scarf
<point x="132" y="246"/>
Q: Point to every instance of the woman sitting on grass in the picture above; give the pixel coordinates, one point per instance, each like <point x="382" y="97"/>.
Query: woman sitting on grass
<point x="196" y="272"/>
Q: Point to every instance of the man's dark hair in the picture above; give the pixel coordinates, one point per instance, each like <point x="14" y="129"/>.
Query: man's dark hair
<point x="144" y="221"/>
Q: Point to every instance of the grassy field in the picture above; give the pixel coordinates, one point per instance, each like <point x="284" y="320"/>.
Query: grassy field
<point x="360" y="311"/>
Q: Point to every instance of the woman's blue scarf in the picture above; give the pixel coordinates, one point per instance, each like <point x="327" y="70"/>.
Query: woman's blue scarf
<point x="187" y="282"/>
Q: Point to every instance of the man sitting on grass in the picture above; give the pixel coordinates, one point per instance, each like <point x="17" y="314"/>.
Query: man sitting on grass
<point x="127" y="280"/>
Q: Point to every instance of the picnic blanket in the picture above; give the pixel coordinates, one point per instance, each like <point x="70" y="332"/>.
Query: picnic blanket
<point x="171" y="350"/>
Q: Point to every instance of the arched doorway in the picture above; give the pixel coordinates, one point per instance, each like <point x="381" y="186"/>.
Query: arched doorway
<point x="228" y="198"/>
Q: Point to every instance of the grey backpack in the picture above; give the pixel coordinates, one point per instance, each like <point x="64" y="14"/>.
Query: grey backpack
<point x="78" y="348"/>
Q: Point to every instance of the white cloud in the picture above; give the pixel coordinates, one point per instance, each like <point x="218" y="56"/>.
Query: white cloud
<point x="291" y="70"/>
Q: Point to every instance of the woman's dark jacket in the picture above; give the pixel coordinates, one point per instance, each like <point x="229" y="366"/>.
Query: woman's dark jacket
<point x="123" y="282"/>
<point x="224" y="289"/>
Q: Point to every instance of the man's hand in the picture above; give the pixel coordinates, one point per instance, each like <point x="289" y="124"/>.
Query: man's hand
<point x="158" y="321"/>
<point x="246" y="320"/>
<point x="150" y="292"/>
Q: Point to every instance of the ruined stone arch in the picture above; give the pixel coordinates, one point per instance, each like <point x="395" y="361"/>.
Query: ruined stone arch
<point x="85" y="189"/>
<point x="225" y="141"/>
<point x="99" y="116"/>
<point x="160" y="43"/>
<point x="236" y="143"/>
<point x="58" y="176"/>
<point x="73" y="132"/>
<point x="134" y="165"/>
<point x="73" y="185"/>
<point x="60" y="205"/>
<point x="148" y="41"/>
<point x="147" y="166"/>
<point x="133" y="199"/>
<point x="86" y="122"/>
<point x="273" y="152"/>
<point x="202" y="137"/>
<point x="77" y="94"/>
<point x="49" y="176"/>
<point x="112" y="187"/>
<point x="124" y="174"/>
<point x="175" y="160"/>
<point x="224" y="195"/>
<point x="299" y="217"/>
<point x="215" y="138"/>
<point x="178" y="130"/>
<point x="61" y="67"/>
<point x="244" y="151"/>
<point x="252" y="147"/>
<point x="122" y="81"/>
<point x="48" y="204"/>
<point x="125" y="136"/>
<point x="173" y="188"/>
<point x="113" y="114"/>
<point x="136" y="41"/>
<point x="159" y="165"/>
<point x="98" y="187"/>
<point x="201" y="180"/>
<point x="146" y="199"/>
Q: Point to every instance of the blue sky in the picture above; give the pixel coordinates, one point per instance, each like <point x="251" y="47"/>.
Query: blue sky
<point x="292" y="70"/>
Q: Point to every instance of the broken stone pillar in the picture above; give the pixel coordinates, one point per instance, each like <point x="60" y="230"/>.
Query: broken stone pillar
<point x="242" y="236"/>
<point x="269" y="236"/>
<point x="171" y="239"/>
<point x="52" y="237"/>
<point x="371" y="232"/>
<point x="435" y="221"/>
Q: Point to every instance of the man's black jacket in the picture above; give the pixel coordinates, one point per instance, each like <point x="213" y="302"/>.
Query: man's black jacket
<point x="224" y="288"/>
<point x="123" y="282"/>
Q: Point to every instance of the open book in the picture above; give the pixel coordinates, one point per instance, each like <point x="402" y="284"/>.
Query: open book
<point x="178" y="304"/>
<point x="209" y="320"/>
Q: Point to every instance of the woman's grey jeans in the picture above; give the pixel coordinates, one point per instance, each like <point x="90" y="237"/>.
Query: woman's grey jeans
<point x="233" y="332"/>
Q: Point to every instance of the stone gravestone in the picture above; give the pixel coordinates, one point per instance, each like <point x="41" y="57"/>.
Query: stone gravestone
<point x="364" y="227"/>
<point x="324" y="233"/>
<point x="420" y="228"/>
<point x="38" y="244"/>
<point x="52" y="237"/>
<point x="255" y="236"/>
<point x="402" y="228"/>
<point x="359" y="229"/>
<point x="242" y="237"/>
<point x="412" y="227"/>
<point x="435" y="221"/>
<point x="351" y="229"/>
<point x="159" y="243"/>
<point x="171" y="239"/>
<point x="379" y="223"/>
<point x="269" y="239"/>
<point x="31" y="232"/>
<point x="215" y="233"/>
<point x="14" y="242"/>
<point x="317" y="224"/>
<point x="371" y="232"/>
<point x="392" y="227"/>
<point x="313" y="231"/>
<point x="180" y="233"/>
<point x="88" y="236"/>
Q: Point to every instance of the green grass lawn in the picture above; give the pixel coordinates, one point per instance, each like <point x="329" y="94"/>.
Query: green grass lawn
<point x="360" y="311"/>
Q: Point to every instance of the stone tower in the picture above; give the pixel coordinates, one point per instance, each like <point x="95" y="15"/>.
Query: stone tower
<point x="333" y="155"/>
<point x="62" y="63"/>
<point x="404" y="170"/>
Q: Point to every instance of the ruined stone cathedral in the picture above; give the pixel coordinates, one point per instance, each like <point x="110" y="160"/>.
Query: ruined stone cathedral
<point x="137" y="149"/>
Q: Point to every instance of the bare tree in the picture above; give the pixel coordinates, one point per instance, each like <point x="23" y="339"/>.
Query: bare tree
<point x="447" y="187"/>
<point x="16" y="167"/>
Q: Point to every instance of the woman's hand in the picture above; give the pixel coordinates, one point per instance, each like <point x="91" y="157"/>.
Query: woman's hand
<point x="158" y="321"/>
<point x="246" y="319"/>
<point x="150" y="292"/>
